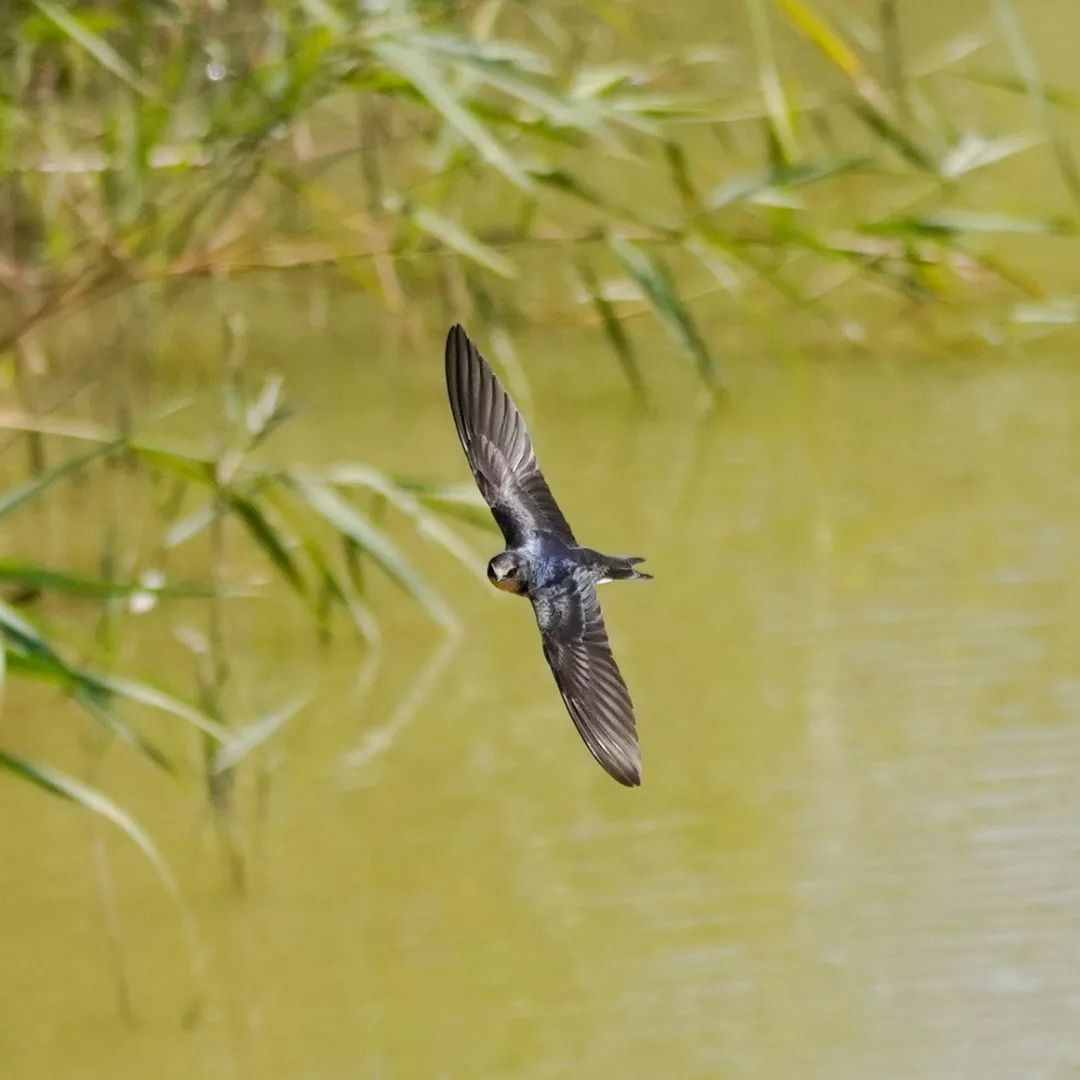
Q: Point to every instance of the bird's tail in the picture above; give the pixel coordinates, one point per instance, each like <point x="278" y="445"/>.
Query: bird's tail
<point x="621" y="567"/>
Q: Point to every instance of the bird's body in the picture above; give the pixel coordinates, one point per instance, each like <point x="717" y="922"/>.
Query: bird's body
<point x="544" y="562"/>
<point x="548" y="563"/>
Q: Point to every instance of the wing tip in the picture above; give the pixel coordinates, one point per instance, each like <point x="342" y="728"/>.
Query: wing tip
<point x="457" y="341"/>
<point x="456" y="337"/>
<point x="627" y="771"/>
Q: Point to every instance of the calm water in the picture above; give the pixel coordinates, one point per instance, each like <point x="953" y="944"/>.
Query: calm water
<point x="857" y="849"/>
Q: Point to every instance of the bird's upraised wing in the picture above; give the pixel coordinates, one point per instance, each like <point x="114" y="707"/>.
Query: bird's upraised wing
<point x="577" y="648"/>
<point x="498" y="446"/>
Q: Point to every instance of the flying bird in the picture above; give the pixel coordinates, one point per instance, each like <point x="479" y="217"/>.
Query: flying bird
<point x="544" y="562"/>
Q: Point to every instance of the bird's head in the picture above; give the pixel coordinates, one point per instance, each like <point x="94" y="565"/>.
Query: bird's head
<point x="507" y="571"/>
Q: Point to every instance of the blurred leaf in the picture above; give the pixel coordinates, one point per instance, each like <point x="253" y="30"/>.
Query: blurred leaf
<point x="959" y="222"/>
<point x="505" y="56"/>
<point x="95" y="704"/>
<point x="974" y="151"/>
<point x="348" y="520"/>
<point x="1028" y="69"/>
<point x="270" y="539"/>
<point x="778" y="108"/>
<point x="150" y="696"/>
<point x="24" y="636"/>
<point x="340" y="589"/>
<point x="651" y="274"/>
<point x="1052" y="95"/>
<point x="486" y="61"/>
<point x="679" y="169"/>
<point x="192" y="524"/>
<point x="267" y="411"/>
<point x="67" y="787"/>
<point x="617" y="337"/>
<point x="569" y="184"/>
<point x="322" y="11"/>
<point x="816" y="27"/>
<point x="251" y="736"/>
<point x="39" y="577"/>
<point x="882" y="126"/>
<point x="188" y="467"/>
<point x="460" y="240"/>
<point x="71" y="26"/>
<point x="15" y="497"/>
<point x="40" y="658"/>
<point x="1060" y="312"/>
<point x="427" y="525"/>
<point x="750" y="185"/>
<point x="31" y="655"/>
<point x="422" y="73"/>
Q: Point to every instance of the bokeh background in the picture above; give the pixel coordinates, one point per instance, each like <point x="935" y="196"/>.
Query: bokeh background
<point x="788" y="293"/>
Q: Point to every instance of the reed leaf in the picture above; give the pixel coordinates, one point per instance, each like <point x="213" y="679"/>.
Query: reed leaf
<point x="73" y="28"/>
<point x="614" y="331"/>
<point x="652" y="276"/>
<point x="419" y="70"/>
<point x="41" y="482"/>
<point x="30" y="576"/>
<point x="67" y="787"/>
<point x="350" y="522"/>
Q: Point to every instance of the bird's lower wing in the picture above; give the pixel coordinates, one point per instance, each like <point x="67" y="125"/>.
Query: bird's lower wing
<point x="576" y="646"/>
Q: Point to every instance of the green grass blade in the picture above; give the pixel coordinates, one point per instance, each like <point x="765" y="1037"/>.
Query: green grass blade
<point x="807" y="19"/>
<point x="70" y="26"/>
<point x="417" y="68"/>
<point x="1028" y="70"/>
<point x="272" y="542"/>
<point x="579" y="114"/>
<point x="24" y="635"/>
<point x="47" y="663"/>
<point x="886" y="130"/>
<point x="94" y="704"/>
<point x="323" y="12"/>
<point x="777" y="106"/>
<point x="617" y="337"/>
<point x="192" y="524"/>
<point x="959" y="222"/>
<point x="187" y="467"/>
<point x="350" y="522"/>
<point x="1051" y="95"/>
<point x="746" y="187"/>
<point x="340" y="588"/>
<point x="30" y="576"/>
<point x="15" y="497"/>
<point x="67" y="787"/>
<point x="427" y="524"/>
<point x="974" y="151"/>
<point x="1063" y="311"/>
<point x="652" y="276"/>
<point x="251" y="736"/>
<point x="150" y="696"/>
<point x="459" y="239"/>
<point x="63" y="786"/>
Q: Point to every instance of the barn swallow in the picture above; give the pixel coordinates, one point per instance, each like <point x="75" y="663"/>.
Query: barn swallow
<point x="544" y="562"/>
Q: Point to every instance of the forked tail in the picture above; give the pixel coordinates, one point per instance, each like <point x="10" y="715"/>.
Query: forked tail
<point x="621" y="568"/>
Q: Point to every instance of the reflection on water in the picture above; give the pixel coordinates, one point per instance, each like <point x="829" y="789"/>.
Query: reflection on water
<point x="857" y="849"/>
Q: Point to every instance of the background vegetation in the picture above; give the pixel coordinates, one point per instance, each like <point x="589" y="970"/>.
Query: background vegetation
<point x="435" y="149"/>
